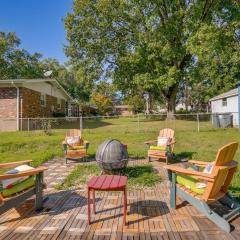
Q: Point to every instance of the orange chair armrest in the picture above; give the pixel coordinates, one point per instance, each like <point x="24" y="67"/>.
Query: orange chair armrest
<point x="200" y="175"/>
<point x="198" y="163"/>
<point x="171" y="143"/>
<point x="23" y="174"/>
<point x="150" y="142"/>
<point x="14" y="164"/>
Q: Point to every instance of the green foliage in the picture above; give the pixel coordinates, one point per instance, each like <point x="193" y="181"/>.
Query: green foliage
<point x="16" y="62"/>
<point x="102" y="102"/>
<point x="155" y="45"/>
<point x="137" y="103"/>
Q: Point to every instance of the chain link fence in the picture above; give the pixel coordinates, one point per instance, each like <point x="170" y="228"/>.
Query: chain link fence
<point x="134" y="123"/>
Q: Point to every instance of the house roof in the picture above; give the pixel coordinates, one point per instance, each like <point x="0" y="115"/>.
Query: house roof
<point x="51" y="80"/>
<point x="231" y="93"/>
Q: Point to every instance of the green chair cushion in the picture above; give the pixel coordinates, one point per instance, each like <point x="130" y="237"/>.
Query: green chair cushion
<point x="189" y="182"/>
<point x="76" y="147"/>
<point x="160" y="148"/>
<point x="29" y="182"/>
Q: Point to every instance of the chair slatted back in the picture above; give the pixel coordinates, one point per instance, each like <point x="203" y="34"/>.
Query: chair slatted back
<point x="73" y="133"/>
<point x="167" y="132"/>
<point x="223" y="170"/>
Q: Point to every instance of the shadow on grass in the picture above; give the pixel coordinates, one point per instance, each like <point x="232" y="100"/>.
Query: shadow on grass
<point x="91" y="124"/>
<point x="183" y="156"/>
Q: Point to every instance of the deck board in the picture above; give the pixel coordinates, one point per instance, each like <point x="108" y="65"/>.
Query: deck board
<point x="149" y="216"/>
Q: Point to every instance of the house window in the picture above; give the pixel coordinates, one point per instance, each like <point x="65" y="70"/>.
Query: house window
<point x="59" y="103"/>
<point x="43" y="100"/>
<point x="224" y="102"/>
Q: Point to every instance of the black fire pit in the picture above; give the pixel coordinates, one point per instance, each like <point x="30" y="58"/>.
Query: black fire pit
<point x="112" y="156"/>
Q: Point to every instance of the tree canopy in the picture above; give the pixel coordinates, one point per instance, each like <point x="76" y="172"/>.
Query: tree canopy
<point x="155" y="46"/>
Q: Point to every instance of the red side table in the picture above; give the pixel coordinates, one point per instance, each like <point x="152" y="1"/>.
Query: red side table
<point x="107" y="183"/>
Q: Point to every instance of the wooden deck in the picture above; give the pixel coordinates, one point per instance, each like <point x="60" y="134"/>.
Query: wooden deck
<point x="149" y="215"/>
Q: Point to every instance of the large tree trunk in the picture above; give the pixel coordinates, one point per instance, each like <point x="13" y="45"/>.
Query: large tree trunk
<point x="171" y="103"/>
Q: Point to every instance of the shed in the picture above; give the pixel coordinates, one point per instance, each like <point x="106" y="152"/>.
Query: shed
<point x="227" y="102"/>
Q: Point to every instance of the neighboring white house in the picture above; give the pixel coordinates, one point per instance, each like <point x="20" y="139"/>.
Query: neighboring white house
<point x="227" y="103"/>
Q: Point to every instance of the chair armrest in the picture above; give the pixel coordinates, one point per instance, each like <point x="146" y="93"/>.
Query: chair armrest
<point x="64" y="142"/>
<point x="198" y="163"/>
<point x="200" y="175"/>
<point x="85" y="142"/>
<point x="150" y="142"/>
<point x="171" y="143"/>
<point x="24" y="173"/>
<point x="14" y="164"/>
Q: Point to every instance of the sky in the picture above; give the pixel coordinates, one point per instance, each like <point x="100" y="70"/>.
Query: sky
<point x="38" y="23"/>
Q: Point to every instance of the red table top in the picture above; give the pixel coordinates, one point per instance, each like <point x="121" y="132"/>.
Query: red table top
<point x="107" y="182"/>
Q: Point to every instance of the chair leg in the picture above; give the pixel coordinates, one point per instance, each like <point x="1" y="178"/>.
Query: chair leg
<point x="93" y="202"/>
<point x="124" y="206"/>
<point x="39" y="192"/>
<point x="173" y="190"/>
<point x="149" y="159"/>
<point x="206" y="210"/>
<point x="89" y="207"/>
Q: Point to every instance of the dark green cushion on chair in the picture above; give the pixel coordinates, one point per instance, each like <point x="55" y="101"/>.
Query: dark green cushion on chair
<point x="29" y="182"/>
<point x="189" y="182"/>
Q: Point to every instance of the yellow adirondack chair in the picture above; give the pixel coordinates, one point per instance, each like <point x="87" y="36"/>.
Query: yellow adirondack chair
<point x="76" y="151"/>
<point x="216" y="189"/>
<point x="162" y="154"/>
<point x="30" y="188"/>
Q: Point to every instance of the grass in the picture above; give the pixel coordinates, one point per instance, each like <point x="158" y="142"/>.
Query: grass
<point x="139" y="177"/>
<point x="190" y="143"/>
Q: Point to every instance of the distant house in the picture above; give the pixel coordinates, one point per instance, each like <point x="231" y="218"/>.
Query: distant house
<point x="31" y="98"/>
<point x="227" y="102"/>
<point x="123" y="110"/>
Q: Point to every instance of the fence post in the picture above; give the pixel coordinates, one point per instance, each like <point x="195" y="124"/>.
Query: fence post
<point x="81" y="123"/>
<point x="198" y="124"/>
<point x="138" y="123"/>
<point x="28" y="124"/>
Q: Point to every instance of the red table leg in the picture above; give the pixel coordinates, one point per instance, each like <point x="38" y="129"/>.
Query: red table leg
<point x="124" y="206"/>
<point x="94" y="208"/>
<point x="89" y="206"/>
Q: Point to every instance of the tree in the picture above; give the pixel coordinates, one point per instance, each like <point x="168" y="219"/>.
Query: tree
<point x="103" y="103"/>
<point x="149" y="43"/>
<point x="16" y="62"/>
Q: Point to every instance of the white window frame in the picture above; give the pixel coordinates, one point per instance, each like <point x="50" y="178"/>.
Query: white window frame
<point x="43" y="101"/>
<point x="224" y="102"/>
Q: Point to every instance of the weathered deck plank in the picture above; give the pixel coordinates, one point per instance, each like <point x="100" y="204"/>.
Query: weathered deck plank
<point x="148" y="215"/>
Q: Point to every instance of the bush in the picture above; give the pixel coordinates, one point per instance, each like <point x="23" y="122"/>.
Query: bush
<point x="59" y="114"/>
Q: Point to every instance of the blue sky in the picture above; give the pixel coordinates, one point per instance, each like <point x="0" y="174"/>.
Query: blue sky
<point x="38" y="23"/>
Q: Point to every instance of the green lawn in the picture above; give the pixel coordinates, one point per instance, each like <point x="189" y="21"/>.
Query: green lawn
<point x="139" y="176"/>
<point x="190" y="143"/>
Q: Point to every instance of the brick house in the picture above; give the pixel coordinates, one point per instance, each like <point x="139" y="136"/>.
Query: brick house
<point x="31" y="98"/>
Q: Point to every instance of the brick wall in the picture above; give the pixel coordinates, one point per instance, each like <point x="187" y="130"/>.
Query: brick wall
<point x="29" y="104"/>
<point x="31" y="107"/>
<point x="8" y="102"/>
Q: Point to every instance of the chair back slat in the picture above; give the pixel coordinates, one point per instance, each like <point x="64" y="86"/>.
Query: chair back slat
<point x="166" y="132"/>
<point x="223" y="170"/>
<point x="226" y="153"/>
<point x="73" y="132"/>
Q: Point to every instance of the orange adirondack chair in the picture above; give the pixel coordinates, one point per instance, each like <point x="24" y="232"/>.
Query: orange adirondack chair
<point x="216" y="189"/>
<point x="76" y="151"/>
<point x="22" y="194"/>
<point x="162" y="154"/>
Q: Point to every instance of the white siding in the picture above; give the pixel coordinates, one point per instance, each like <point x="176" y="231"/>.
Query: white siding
<point x="232" y="106"/>
<point x="47" y="89"/>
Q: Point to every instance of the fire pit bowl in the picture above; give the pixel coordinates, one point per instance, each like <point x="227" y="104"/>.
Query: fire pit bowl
<point x="112" y="155"/>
